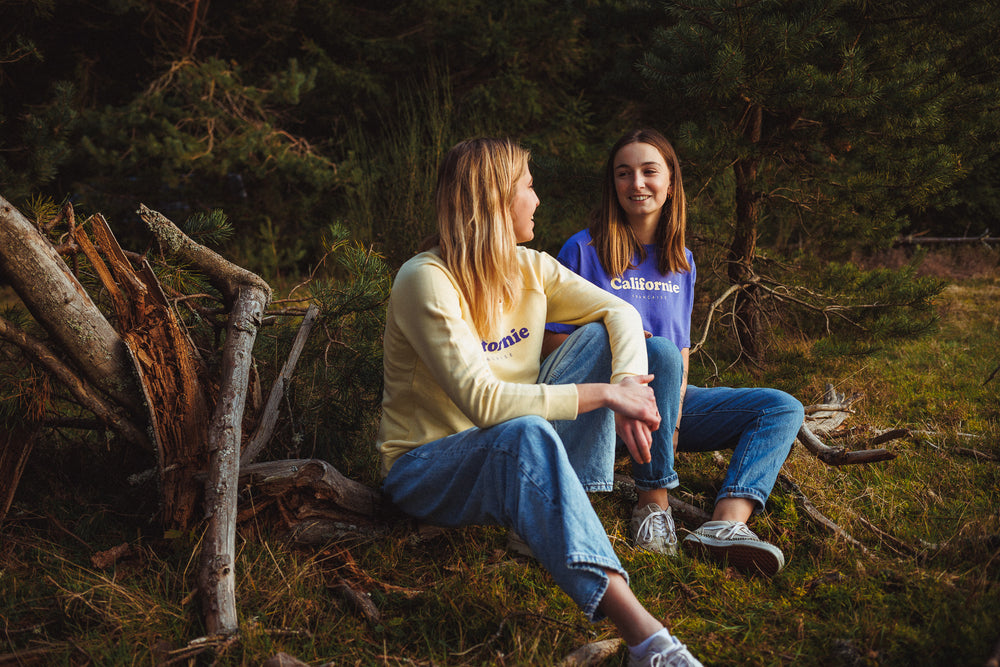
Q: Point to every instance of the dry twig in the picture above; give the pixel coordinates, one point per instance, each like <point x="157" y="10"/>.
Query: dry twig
<point x="818" y="516"/>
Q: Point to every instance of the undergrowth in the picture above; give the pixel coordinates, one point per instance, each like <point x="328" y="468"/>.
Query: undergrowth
<point x="912" y="579"/>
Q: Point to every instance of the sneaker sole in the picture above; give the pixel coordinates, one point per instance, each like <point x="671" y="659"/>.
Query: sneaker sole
<point x="671" y="551"/>
<point x="745" y="557"/>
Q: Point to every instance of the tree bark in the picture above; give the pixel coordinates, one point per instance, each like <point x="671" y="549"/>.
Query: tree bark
<point x="743" y="250"/>
<point x="173" y="379"/>
<point x="218" y="575"/>
<point x="59" y="303"/>
<point x="110" y="414"/>
<point x="248" y="296"/>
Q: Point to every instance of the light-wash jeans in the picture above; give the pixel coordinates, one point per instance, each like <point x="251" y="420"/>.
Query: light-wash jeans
<point x="529" y="475"/>
<point x="758" y="424"/>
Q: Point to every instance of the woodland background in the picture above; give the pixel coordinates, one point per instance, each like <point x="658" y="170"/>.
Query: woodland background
<point x="832" y="151"/>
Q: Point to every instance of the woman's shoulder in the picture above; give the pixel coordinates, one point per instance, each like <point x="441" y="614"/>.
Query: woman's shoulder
<point x="581" y="238"/>
<point x="420" y="268"/>
<point x="690" y="256"/>
<point x="421" y="259"/>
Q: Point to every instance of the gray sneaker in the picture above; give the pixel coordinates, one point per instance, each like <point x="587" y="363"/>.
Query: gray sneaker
<point x="733" y="542"/>
<point x="665" y="652"/>
<point x="652" y="529"/>
<point x="516" y="544"/>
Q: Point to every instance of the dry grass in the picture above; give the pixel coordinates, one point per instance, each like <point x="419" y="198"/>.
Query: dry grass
<point x="922" y="589"/>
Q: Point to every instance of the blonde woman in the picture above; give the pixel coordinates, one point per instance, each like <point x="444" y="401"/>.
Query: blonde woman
<point x="635" y="249"/>
<point x="474" y="430"/>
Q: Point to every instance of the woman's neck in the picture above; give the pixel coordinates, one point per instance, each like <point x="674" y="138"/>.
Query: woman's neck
<point x="645" y="228"/>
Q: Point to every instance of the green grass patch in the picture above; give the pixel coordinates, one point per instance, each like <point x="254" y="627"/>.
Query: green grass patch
<point x="920" y="587"/>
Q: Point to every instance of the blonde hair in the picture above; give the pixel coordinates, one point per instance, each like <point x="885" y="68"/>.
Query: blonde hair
<point x="612" y="236"/>
<point x="475" y="191"/>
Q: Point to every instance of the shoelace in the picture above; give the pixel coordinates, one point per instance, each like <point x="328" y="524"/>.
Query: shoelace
<point x="737" y="530"/>
<point x="657" y="524"/>
<point x="675" y="657"/>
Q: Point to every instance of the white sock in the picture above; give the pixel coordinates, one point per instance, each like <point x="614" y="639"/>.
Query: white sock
<point x="642" y="647"/>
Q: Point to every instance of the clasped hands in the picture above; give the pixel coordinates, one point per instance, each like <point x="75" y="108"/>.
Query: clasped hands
<point x="636" y="415"/>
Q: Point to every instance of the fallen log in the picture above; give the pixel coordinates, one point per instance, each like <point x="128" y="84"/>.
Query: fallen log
<point x="316" y="479"/>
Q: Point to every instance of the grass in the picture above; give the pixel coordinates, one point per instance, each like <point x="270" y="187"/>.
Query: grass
<point x="923" y="591"/>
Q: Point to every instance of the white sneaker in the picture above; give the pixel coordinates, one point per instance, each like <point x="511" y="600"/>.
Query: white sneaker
<point x="733" y="542"/>
<point x="665" y="651"/>
<point x="652" y="529"/>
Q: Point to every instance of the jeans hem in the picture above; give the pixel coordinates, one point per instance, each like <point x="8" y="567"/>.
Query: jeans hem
<point x="670" y="482"/>
<point x="749" y="494"/>
<point x="600" y="566"/>
<point x="602" y="487"/>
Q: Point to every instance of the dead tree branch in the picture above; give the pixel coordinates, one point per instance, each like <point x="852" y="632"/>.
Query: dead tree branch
<point x="60" y="304"/>
<point x="992" y="375"/>
<point x="15" y="448"/>
<point x="711" y="311"/>
<point x="110" y="414"/>
<point x="818" y="516"/>
<point x="838" y="456"/>
<point x="248" y="296"/>
<point x="270" y="417"/>
<point x="218" y="578"/>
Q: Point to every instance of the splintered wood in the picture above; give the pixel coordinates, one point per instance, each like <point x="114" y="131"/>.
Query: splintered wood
<point x="171" y="373"/>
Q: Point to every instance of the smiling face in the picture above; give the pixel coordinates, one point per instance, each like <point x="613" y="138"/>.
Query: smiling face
<point x="523" y="208"/>
<point x="643" y="184"/>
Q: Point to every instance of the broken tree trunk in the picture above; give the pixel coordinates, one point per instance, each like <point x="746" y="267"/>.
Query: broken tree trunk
<point x="170" y="371"/>
<point x="59" y="303"/>
<point x="247" y="295"/>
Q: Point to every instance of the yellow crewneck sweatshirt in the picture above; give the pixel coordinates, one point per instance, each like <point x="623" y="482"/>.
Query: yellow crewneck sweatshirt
<point x="442" y="378"/>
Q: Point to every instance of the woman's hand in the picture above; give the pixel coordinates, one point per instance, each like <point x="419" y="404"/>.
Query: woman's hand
<point x="636" y="415"/>
<point x="634" y="405"/>
<point x="636" y="436"/>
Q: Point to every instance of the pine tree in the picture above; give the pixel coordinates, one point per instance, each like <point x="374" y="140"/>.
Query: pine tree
<point x="823" y="120"/>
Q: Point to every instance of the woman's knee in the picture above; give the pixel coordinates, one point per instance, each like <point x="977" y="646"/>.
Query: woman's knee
<point x="529" y="437"/>
<point x="593" y="334"/>
<point x="786" y="408"/>
<point x="665" y="360"/>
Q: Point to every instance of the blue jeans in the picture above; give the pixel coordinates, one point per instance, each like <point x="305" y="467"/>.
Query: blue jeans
<point x="759" y="425"/>
<point x="590" y="438"/>
<point x="529" y="475"/>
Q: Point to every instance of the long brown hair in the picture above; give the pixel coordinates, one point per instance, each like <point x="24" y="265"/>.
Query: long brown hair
<point x="475" y="190"/>
<point x="612" y="236"/>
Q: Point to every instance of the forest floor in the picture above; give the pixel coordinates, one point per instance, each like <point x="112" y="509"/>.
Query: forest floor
<point x="85" y="579"/>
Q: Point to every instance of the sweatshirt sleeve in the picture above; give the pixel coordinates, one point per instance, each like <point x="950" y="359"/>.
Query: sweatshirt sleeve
<point x="429" y="312"/>
<point x="569" y="256"/>
<point x="574" y="300"/>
